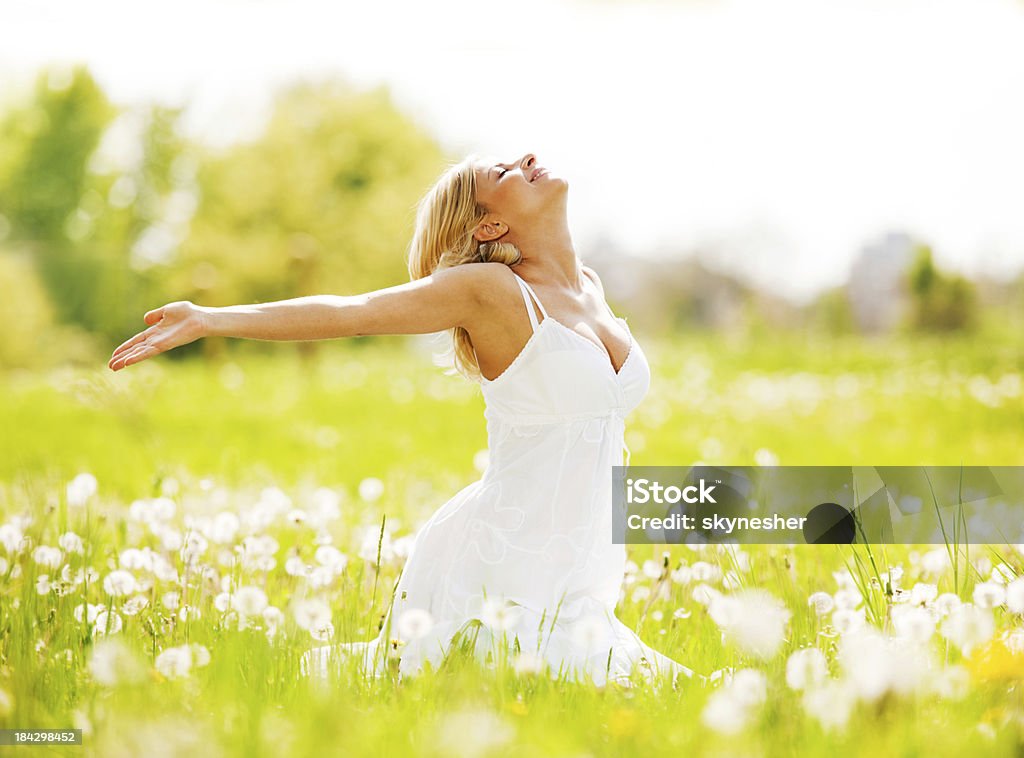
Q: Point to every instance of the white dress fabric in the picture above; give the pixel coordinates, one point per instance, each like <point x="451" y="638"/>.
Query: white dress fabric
<point x="535" y="531"/>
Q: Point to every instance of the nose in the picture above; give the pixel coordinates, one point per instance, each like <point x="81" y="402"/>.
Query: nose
<point x="527" y="161"/>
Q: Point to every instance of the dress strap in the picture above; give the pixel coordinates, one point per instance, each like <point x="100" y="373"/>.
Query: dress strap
<point x="528" y="292"/>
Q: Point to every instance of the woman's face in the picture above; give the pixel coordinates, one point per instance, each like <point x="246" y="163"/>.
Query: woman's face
<point x="517" y="192"/>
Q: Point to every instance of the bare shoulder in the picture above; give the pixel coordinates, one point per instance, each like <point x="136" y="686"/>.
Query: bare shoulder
<point x="477" y="280"/>
<point x="593" y="275"/>
<point x="494" y="281"/>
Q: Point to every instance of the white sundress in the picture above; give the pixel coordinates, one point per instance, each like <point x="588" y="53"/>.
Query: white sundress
<point x="535" y="531"/>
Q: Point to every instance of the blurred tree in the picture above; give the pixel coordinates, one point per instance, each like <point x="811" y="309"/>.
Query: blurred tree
<point x="81" y="215"/>
<point x="43" y="174"/>
<point x="831" y="312"/>
<point x="47" y="144"/>
<point x="120" y="213"/>
<point x="133" y="215"/>
<point x="322" y="202"/>
<point x="26" y="315"/>
<point x="939" y="302"/>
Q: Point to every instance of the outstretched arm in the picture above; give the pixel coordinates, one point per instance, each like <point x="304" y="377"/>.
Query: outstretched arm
<point x="451" y="297"/>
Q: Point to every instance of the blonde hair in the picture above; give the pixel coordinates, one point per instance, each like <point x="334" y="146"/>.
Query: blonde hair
<point x="443" y="237"/>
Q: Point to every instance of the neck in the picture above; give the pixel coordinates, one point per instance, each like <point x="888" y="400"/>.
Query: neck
<point x="549" y="256"/>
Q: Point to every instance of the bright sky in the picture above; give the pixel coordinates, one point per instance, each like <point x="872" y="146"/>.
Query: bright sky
<point x="780" y="134"/>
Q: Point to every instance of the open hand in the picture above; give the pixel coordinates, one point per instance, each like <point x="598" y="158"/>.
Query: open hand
<point x="171" y="326"/>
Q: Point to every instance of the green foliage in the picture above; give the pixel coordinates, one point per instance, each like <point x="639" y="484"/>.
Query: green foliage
<point x="831" y="313"/>
<point x="122" y="213"/>
<point x="48" y="143"/>
<point x="939" y="302"/>
<point x="323" y="201"/>
<point x="26" y="315"/>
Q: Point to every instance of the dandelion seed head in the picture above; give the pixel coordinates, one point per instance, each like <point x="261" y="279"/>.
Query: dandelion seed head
<point x="311" y="614"/>
<point x="821" y="602"/>
<point x="913" y="623"/>
<point x="968" y="627"/>
<point x="102" y="620"/>
<point x="415" y="623"/>
<point x="806" y="668"/>
<point x="753" y="619"/>
<point x="119" y="583"/>
<point x="989" y="594"/>
<point x="1015" y="595"/>
<point x="500" y="615"/>
<point x="80" y="489"/>
<point x="370" y="489"/>
<point x="249" y="601"/>
<point x="830" y="704"/>
<point x="48" y="557"/>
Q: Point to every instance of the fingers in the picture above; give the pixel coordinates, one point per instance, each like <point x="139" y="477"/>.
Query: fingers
<point x="130" y="343"/>
<point x="154" y="315"/>
<point x="134" y="355"/>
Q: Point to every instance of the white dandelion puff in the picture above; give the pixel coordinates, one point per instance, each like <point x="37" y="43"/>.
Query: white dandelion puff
<point x="527" y="662"/>
<point x="499" y="615"/>
<point x="371" y="488"/>
<point x="249" y="601"/>
<point x="331" y="558"/>
<point x="806" y="668"/>
<point x="89" y="611"/>
<point x="848" y="598"/>
<point x="48" y="557"/>
<point x="311" y="614"/>
<point x="1015" y="595"/>
<point x="846" y="620"/>
<point x="749" y="686"/>
<point x="730" y="709"/>
<point x="322" y="632"/>
<point x="968" y="627"/>
<point x="103" y="618"/>
<point x="936" y="561"/>
<point x="112" y="662"/>
<point x="133" y="605"/>
<point x="724" y="714"/>
<point x="415" y="623"/>
<point x="702" y="571"/>
<point x="753" y="619"/>
<point x="295" y="566"/>
<point x="120" y="582"/>
<point x="705" y="594"/>
<point x="830" y="704"/>
<point x="951" y="682"/>
<point x="989" y="594"/>
<point x="80" y="489"/>
<point x="821" y="602"/>
<point x="71" y="543"/>
<point x="946" y="603"/>
<point x="175" y="662"/>
<point x="922" y="593"/>
<point x="273" y="618"/>
<point x="913" y="623"/>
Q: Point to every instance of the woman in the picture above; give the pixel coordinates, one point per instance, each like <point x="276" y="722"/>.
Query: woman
<point x="527" y="548"/>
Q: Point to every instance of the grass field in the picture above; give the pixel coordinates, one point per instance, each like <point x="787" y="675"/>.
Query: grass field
<point x="183" y="482"/>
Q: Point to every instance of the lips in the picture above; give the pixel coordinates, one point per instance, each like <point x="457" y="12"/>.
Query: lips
<point x="537" y="174"/>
